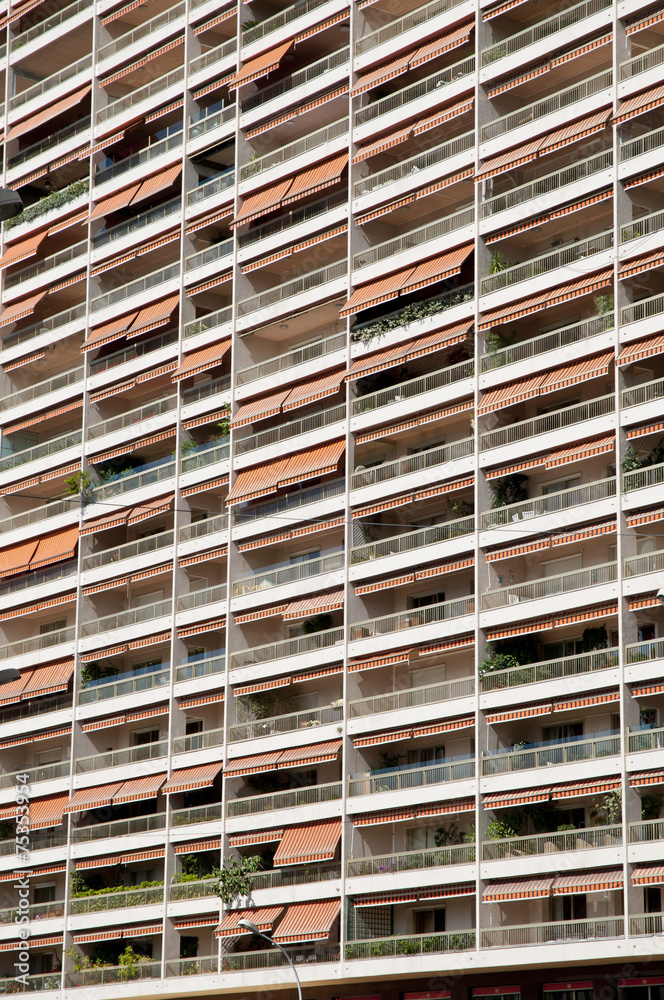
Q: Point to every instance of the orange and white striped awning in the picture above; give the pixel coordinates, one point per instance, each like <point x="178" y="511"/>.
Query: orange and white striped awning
<point x="639" y="349"/>
<point x="194" y="846"/>
<point x="260" y="65"/>
<point x="523" y="712"/>
<point x="377" y="739"/>
<point x="138" y="789"/>
<point x="450" y="726"/>
<point x="259" y="409"/>
<point x="46" y="812"/>
<point x="648" y="875"/>
<point x="508" y="799"/>
<point x="414" y="57"/>
<point x="313" y="754"/>
<point x="309" y="842"/>
<point x="389" y="659"/>
<point x="544" y="300"/>
<point x="639" y="265"/>
<point x="642" y="601"/>
<point x="85" y="799"/>
<point x="641" y="778"/>
<point x="264" y="917"/>
<point x="200" y="361"/>
<point x="55" y="548"/>
<point x="584" y="701"/>
<point x="16" y="311"/>
<point x="584" y="786"/>
<point x="448" y="645"/>
<point x="181" y="923"/>
<point x="526" y="888"/>
<point x="508" y="395"/>
<point x="580" y="452"/>
<point x="569" y="134"/>
<point x="430" y="416"/>
<point x="308" y="921"/>
<point x="315" y="604"/>
<point x="565" y="885"/>
<point x="49" y="111"/>
<point x="638" y="105"/>
<point x="580" y="371"/>
<point x="190" y="778"/>
<point x="21" y="251"/>
<point x="195" y="701"/>
<point x="388" y="358"/>
<point x="645" y="517"/>
<point x="415" y="895"/>
<point x="588" y="614"/>
<point x="511" y="551"/>
<point x="580" y="534"/>
<point x="451" y="808"/>
<point x="280" y="472"/>
<point x="524" y="628"/>
<point x="285" y="192"/>
<point x="244" y="689"/>
<point x="48" y="679"/>
<point x="260" y="837"/>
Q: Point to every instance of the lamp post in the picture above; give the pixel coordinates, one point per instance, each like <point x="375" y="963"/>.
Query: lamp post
<point x="249" y="926"/>
<point x="10" y="204"/>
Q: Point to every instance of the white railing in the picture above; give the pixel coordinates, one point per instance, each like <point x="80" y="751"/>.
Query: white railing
<point x="285" y="432"/>
<point x="643" y="144"/>
<point x="412" y="540"/>
<point x="414" y="944"/>
<point x="539" y="32"/>
<point x="549" y="504"/>
<point x="416" y="91"/>
<point x="37" y="643"/>
<point x="38" y="451"/>
<point x="432" y="231"/>
<point x="414" y="19"/>
<point x="141" y="31"/>
<point x="645" y="393"/>
<point x="207" y="456"/>
<point x="107" y="975"/>
<point x="536" y="590"/>
<point x="563" y="932"/>
<point x="147" y="218"/>
<point x="129" y="685"/>
<point x="296" y="286"/>
<point x="47" y="325"/>
<point x="307" y="75"/>
<point x="641" y="64"/>
<point x="117" y="758"/>
<point x="525" y="193"/>
<point x="546" y="670"/>
<point x="652" y="475"/>
<point x="210" y="255"/>
<point x="298" y="147"/>
<point x="119" y="828"/>
<point x="429" y="615"/>
<point x="643" y="226"/>
<point x="414" y="387"/>
<point x="286" y="723"/>
<point x="647" y="831"/>
<point x="50" y="83"/>
<point x="137" y="287"/>
<point x="223" y="181"/>
<point x="139" y="159"/>
<point x="568" y="416"/>
<point x="61" y="381"/>
<point x="647" y="923"/>
<point x="287" y="574"/>
<point x="429" y="694"/>
<point x="390" y="864"/>
<point x="125" y="484"/>
<point x="198" y="529"/>
<point x="550" y="843"/>
<point x="47" y="264"/>
<point x="32" y="775"/>
<point x="290" y="799"/>
<point x="128" y="550"/>
<point x="407" y="168"/>
<point x="569" y="255"/>
<point x="550" y="753"/>
<point x="123" y="619"/>
<point x="280" y="20"/>
<point x="638" y="652"/>
<point x="155" y="408"/>
<point x="646" y="739"/>
<point x="200" y="598"/>
<point x="397" y="779"/>
<point x="292" y="358"/>
<point x="639" y="565"/>
<point x="201" y="668"/>
<point x="288" y="647"/>
<point x="54" y="21"/>
<point x="552" y="341"/>
<point x="149" y="91"/>
<point x="413" y="463"/>
<point x="207" y="119"/>
<point x="199" y="741"/>
<point x="212" y="56"/>
<point x="210" y="322"/>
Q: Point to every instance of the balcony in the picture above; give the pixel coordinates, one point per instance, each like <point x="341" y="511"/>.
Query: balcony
<point x="108" y="236"/>
<point x="109" y="362"/>
<point x="108" y="975"/>
<point x="425" y="88"/>
<point x="544" y="30"/>
<point x="269" y="578"/>
<point x="278" y="878"/>
<point x="275" y="301"/>
<point x="320" y="71"/>
<point x="31" y="775"/>
<point x="128" y="684"/>
<point x="201" y="598"/>
<point x="125" y="619"/>
<point x="569" y="416"/>
<point x="645" y="225"/>
<point x="223" y="181"/>
<point x="141" y="31"/>
<point x="551" y="752"/>
<point x="560" y="932"/>
<point x="643" y="393"/>
<point x="646" y="832"/>
<point x="643" y="144"/>
<point x="291" y="359"/>
<point x="37" y="644"/>
<point x="141" y="547"/>
<point x="430" y="615"/>
<point x="139" y="287"/>
<point x="47" y="981"/>
<point x="32" y="517"/>
<point x="36" y="911"/>
<point x="119" y="828"/>
<point x="286" y="723"/>
<point x="48" y="325"/>
<point x="297" y="217"/>
<point x="433" y="231"/>
<point x="290" y="799"/>
<point x="646" y="924"/>
<point x="319" y="140"/>
<point x="564" y="258"/>
<point x="51" y="83"/>
<point x="419" y="944"/>
<point x="149" y="93"/>
<point x="641" y="64"/>
<point x="640" y="565"/>
<point x="413" y="388"/>
<point x="646" y="739"/>
<point x="408" y="861"/>
<point x="398" y="779"/>
<point x="556" y="340"/>
<point x="285" y="432"/>
<point x="42" y="841"/>
<point x="547" y="670"/>
<point x="210" y="256"/>
<point x="199" y="529"/>
<point x="192" y="890"/>
<point x="194" y="966"/>
<point x="429" y="694"/>
<point x="39" y="452"/>
<point x="208" y="323"/>
<point x="51" y="142"/>
<point x="207" y="456"/>
<point x="413" y="540"/>
<point x="409" y="22"/>
<point x="327" y="639"/>
<point x="208" y="119"/>
<point x="148" y="475"/>
<point x="410" y="169"/>
<point x="167" y="405"/>
<point x="292" y="501"/>
<point x="141" y="159"/>
<point x="280" y="20"/>
<point x="389" y="471"/>
<point x="56" y="262"/>
<point x="199" y="741"/>
<point x="64" y="380"/>
<point x="213" y="57"/>
<point x="196" y="814"/>
<point x="537" y="590"/>
<point x="552" y="503"/>
<point x="252" y="961"/>
<point x="37" y="578"/>
<point x="201" y="668"/>
<point x="52" y="22"/>
<point x="638" y="652"/>
<point x="117" y="758"/>
<point x="653" y="475"/>
<point x="552" y="843"/>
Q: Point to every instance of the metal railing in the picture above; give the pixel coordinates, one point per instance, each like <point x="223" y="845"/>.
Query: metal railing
<point x="296" y="286"/>
<point x="551" y="843"/>
<point x="210" y="255"/>
<point x="61" y="381"/>
<point x="652" y="475"/>
<point x="277" y="878"/>
<point x="35" y="984"/>
<point x="288" y="647"/>
<point x="643" y="393"/>
<point x="423" y="161"/>
<point x="428" y="694"/>
<point x="208" y="456"/>
<point x="407" y="861"/>
<point x="107" y="236"/>
<point x="643" y="226"/>
<point x="125" y="484"/>
<point x="38" y="514"/>
<point x="39" y="451"/>
<point x="141" y="31"/>
<point x="646" y="923"/>
<point x="292" y="501"/>
<point x="128" y="550"/>
<point x="643" y="144"/>
<point x="280" y="20"/>
<point x="411" y="540"/>
<point x="576" y="496"/>
<point x="144" y="156"/>
<point x="193" y="890"/>
<point x="294" y="218"/>
<point x="198" y="529"/>
<point x="396" y="779"/>
<point x="646" y="739"/>
<point x="566" y="417"/>
<point x="136" y="287"/>
<point x="642" y="63"/>
<point x="563" y="931"/>
<point x="49" y="324"/>
<point x="208" y="119"/>
<point x="212" y="56"/>
<point x="550" y="753"/>
<point x="155" y="408"/>
<point x="36" y="911"/>
<point x="639" y="565"/>
<point x="201" y="668"/>
<point x="539" y="32"/>
<point x="547" y="262"/>
<point x="286" y="723"/>
<point x="38" y="577"/>
<point x="119" y="828"/>
<point x="199" y="598"/>
<point x="557" y="102"/>
<point x="549" y="586"/>
<point x="193" y="966"/>
<point x="414" y="944"/>
<point x="432" y="231"/>
<point x="647" y="831"/>
<point x="545" y="185"/>
<point x="210" y="322"/>
<point x="122" y="619"/>
<point x="546" y="670"/>
<point x="43" y="840"/>
<point x="28" y="709"/>
<point x="284" y="800"/>
<point x="47" y="264"/>
<point x="638" y="652"/>
<point x="314" y="71"/>
<point x="416" y="91"/>
<point x="292" y="358"/>
<point x="555" y="340"/>
<point x="114" y="758"/>
<point x="413" y="463"/>
<point x="51" y="22"/>
<point x="130" y="685"/>
<point x="249" y="961"/>
<point x="199" y="741"/>
<point x="297" y="148"/>
<point x="285" y="432"/>
<point x="101" y="975"/>
<point x="121" y="104"/>
<point x="223" y="181"/>
<point x="31" y="775"/>
<point x="414" y="387"/>
<point x="287" y="574"/>
<point x="48" y="85"/>
<point x="50" y="142"/>
<point x="429" y="615"/>
<point x="414" y="19"/>
<point x="37" y="643"/>
<point x="133" y="351"/>
<point x="196" y="814"/>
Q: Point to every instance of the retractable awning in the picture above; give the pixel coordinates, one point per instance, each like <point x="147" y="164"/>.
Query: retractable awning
<point x="389" y="357"/>
<point x="264" y="917"/>
<point x="309" y="842"/>
<point x="527" y="888"/>
<point x="602" y="881"/>
<point x="200" y="361"/>
<point x="47" y="113"/>
<point x="409" y="60"/>
<point x="308" y="922"/>
<point x="260" y="65"/>
<point x="190" y="778"/>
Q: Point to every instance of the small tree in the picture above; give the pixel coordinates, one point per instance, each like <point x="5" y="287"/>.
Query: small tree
<point x="235" y="877"/>
<point x="80" y="484"/>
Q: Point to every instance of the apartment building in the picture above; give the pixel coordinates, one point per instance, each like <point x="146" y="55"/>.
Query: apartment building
<point x="331" y="511"/>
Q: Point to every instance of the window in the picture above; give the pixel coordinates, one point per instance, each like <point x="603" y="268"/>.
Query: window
<point x="152" y="531"/>
<point x="427" y="675"/>
<point x="145" y="599"/>
<point x="648" y="717"/>
<point x="420" y="838"/>
<point x="565" y="647"/>
<point x="429" y="921"/>
<point x="429" y="446"/>
<point x="562" y="484"/>
<point x="569" y="907"/>
<point x="566" y="731"/>
<point x="146" y="667"/>
<point x="142" y="875"/>
<point x="646" y="632"/>
<point x="49" y="632"/>
<point x="580" y="991"/>
<point x="562" y="404"/>
<point x="199" y="515"/>
<point x="45" y="893"/>
<point x="556" y="567"/>
<point x="194" y="730"/>
<point x="425" y="600"/>
<point x="301" y="557"/>
<point x="146" y="736"/>
<point x="652" y="899"/>
<point x="426" y="755"/>
<point x="52" y="756"/>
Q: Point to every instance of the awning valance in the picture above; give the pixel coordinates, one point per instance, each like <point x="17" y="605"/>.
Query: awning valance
<point x="308" y="921"/>
<point x="189" y="778"/>
<point x="309" y="842"/>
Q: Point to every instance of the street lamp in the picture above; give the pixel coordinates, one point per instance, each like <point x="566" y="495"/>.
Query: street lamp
<point x="249" y="926"/>
<point x="8" y="674"/>
<point x="10" y="204"/>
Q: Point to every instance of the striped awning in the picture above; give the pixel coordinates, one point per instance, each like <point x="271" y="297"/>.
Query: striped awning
<point x="260" y="65"/>
<point x="584" y="701"/>
<point x="260" y="837"/>
<point x="316" y="604"/>
<point x="401" y="354"/>
<point x="189" y="778"/>
<point x="295" y="468"/>
<point x="48" y="679"/>
<point x="389" y="659"/>
<point x="526" y="888"/>
<point x="545" y="300"/>
<point x="585" y="786"/>
<point x="641" y="778"/>
<point x="580" y="452"/>
<point x="180" y="923"/>
<point x="507" y="799"/>
<point x="648" y="875"/>
<point x="511" y="551"/>
<point x="645" y="262"/>
<point x="524" y="712"/>
<point x="508" y="395"/>
<point x="565" y="885"/>
<point x="580" y="534"/>
<point x="49" y="111"/>
<point x="639" y="349"/>
<point x="309" y="842"/>
<point x="638" y="105"/>
<point x="244" y="689"/>
<point x="450" y="808"/>
<point x="376" y="739"/>
<point x="137" y="789"/>
<point x="645" y="517"/>
<point x="308" y="921"/>
<point x="259" y="409"/>
<point x="200" y="361"/>
<point x="47" y="812"/>
<point x="295" y="757"/>
<point x="407" y="280"/>
<point x="524" y="628"/>
<point x="264" y="917"/>
<point x="415" y="895"/>
<point x="450" y="726"/>
<point x="285" y="192"/>
<point x="194" y="846"/>
<point x="408" y="60"/>
<point x="85" y="799"/>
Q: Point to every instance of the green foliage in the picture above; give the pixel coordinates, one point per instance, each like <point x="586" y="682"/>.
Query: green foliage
<point x="80" y="484"/>
<point x="631" y="462"/>
<point x="651" y="806"/>
<point x="319" y="623"/>
<point x="267" y="705"/>
<point x="594" y="638"/>
<point x="447" y="836"/>
<point x="564" y="827"/>
<point x="497" y="263"/>
<point x="498" y="661"/>
<point x="112" y="888"/>
<point x="187" y="446"/>
<point x="411" y="314"/>
<point x="388" y="760"/>
<point x="96" y="672"/>
<point x="56" y="199"/>
<point x="235" y="877"/>
<point x="608" y="809"/>
<point x="508" y="490"/>
<point x="460" y="508"/>
<point x="506" y="827"/>
<point x="604" y="303"/>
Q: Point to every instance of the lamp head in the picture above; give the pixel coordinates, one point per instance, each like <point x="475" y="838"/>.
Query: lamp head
<point x="248" y="926"/>
<point x="8" y="674"/>
<point x="10" y="204"/>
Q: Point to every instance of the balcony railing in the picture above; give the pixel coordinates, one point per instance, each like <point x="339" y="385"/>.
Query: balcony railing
<point x="643" y="393"/>
<point x="423" y="161"/>
<point x="39" y="841"/>
<point x="211" y="186"/>
<point x="414" y="387"/>
<point x="551" y="752"/>
<point x="210" y="322"/>
<point x="646" y="832"/>
<point x="116" y="689"/>
<point x="199" y="741"/>
<point x="199" y="529"/>
<point x="151" y="90"/>
<point x="37" y="643"/>
<point x="108" y="975"/>
<point x="210" y="255"/>
<point x="546" y="670"/>
<point x="642" y="63"/>
<point x="129" y="550"/>
<point x="196" y="814"/>
<point x="285" y="432"/>
<point x="284" y="800"/>
<point x="539" y="32"/>
<point x="119" y="828"/>
<point x="155" y="408"/>
<point x="418" y="944"/>
<point x="39" y="451"/>
<point x="31" y="775"/>
<point x="566" y="417"/>
<point x="415" y="92"/>
<point x="432" y="231"/>
<point x="413" y="463"/>
<point x="157" y="472"/>
<point x="408" y="861"/>
<point x="549" y="504"/>
<point x="314" y="71"/>
<point x="428" y="694"/>
<point x="201" y="668"/>
<point x="644" y="564"/>
<point x="548" y="262"/>
<point x="250" y="961"/>
<point x="212" y="56"/>
<point x="644" y="226"/>
<point x="139" y="350"/>
<point x="286" y="723"/>
<point x="292" y="358"/>
<point x="123" y="229"/>
<point x="193" y="966"/>
<point x="115" y="758"/>
<point x="31" y="392"/>
<point x="406" y="23"/>
<point x="653" y="475"/>
<point x="306" y="283"/>
<point x="536" y="590"/>
<point x="552" y="843"/>
<point x="193" y="890"/>
<point x="36" y="515"/>
<point x="292" y="501"/>
<point x="524" y="193"/>
<point x="50" y="141"/>
<point x="200" y="598"/>
<point x="643" y="144"/>
<point x="137" y="287"/>
<point x="36" y="911"/>
<point x="647" y="923"/>
<point x="35" y="984"/>
<point x="208" y="119"/>
<point x="646" y="739"/>
<point x="172" y="141"/>
<point x="432" y="614"/>
<point x="54" y="21"/>
<point x="413" y="540"/>
<point x="288" y="574"/>
<point x="299" y="147"/>
<point x="141" y="31"/>
<point x="288" y="647"/>
<point x="553" y="341"/>
<point x="207" y="456"/>
<point x="397" y="779"/>
<point x="562" y="932"/>
<point x="49" y="84"/>
<point x="294" y="218"/>
<point x="39" y="577"/>
<point x="279" y="20"/>
<point x="49" y="324"/>
<point x="123" y="619"/>
<point x="557" y="102"/>
<point x="277" y="878"/>
<point x="47" y="264"/>
<point x="638" y="652"/>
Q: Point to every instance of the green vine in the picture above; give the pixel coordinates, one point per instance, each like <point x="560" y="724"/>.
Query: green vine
<point x="56" y="199"/>
<point x="235" y="877"/>
<point x="410" y="314"/>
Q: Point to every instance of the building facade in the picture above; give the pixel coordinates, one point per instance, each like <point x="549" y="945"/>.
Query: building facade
<point x="331" y="513"/>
